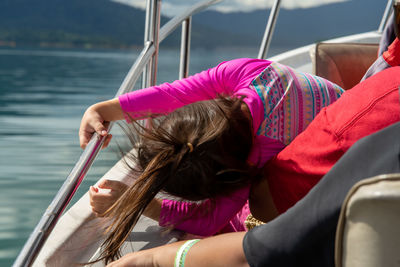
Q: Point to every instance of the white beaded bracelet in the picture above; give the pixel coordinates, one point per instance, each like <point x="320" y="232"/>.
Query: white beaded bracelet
<point x="183" y="250"/>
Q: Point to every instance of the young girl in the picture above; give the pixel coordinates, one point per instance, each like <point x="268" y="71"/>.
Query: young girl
<point x="269" y="104"/>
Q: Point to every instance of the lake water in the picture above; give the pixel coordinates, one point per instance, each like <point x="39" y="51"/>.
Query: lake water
<point x="43" y="94"/>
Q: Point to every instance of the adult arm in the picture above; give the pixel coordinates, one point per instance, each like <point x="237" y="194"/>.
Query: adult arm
<point x="221" y="250"/>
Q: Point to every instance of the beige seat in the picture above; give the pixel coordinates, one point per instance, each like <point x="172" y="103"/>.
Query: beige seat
<point x="343" y="63"/>
<point x="368" y="233"/>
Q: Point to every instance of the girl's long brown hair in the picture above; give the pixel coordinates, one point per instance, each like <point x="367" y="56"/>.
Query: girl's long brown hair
<point x="221" y="136"/>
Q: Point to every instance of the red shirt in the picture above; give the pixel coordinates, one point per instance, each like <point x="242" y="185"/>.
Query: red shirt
<point x="366" y="108"/>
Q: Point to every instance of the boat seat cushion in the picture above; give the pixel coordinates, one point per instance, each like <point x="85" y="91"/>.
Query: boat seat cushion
<point x="343" y="63"/>
<point x="367" y="233"/>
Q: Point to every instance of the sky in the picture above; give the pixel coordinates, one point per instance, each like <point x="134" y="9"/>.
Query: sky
<point x="173" y="7"/>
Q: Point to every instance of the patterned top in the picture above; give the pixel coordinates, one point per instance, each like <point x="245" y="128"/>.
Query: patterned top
<point x="291" y="100"/>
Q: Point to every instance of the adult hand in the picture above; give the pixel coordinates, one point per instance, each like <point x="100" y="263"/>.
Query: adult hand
<point x="102" y="200"/>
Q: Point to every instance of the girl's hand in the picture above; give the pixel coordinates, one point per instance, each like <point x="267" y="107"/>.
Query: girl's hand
<point x="92" y="122"/>
<point x="102" y="200"/>
<point x="96" y="119"/>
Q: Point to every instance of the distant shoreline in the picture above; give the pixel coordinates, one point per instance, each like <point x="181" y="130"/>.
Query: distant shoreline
<point x="44" y="45"/>
<point x="87" y="46"/>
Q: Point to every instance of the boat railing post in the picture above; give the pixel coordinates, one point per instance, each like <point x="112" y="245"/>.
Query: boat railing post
<point x="185" y="48"/>
<point x="155" y="25"/>
<point x="385" y="16"/>
<point x="269" y="30"/>
<point x="147" y="42"/>
<point x="152" y="29"/>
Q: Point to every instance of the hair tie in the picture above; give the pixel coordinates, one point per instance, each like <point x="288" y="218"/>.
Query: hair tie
<point x="190" y="147"/>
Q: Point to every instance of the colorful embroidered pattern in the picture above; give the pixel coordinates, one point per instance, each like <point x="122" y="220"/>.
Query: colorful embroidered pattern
<point x="291" y="100"/>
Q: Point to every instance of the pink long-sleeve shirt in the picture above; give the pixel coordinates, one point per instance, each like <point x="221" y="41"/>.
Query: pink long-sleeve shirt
<point x="281" y="101"/>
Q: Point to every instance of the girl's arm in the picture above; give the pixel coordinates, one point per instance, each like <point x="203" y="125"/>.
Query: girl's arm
<point x="228" y="78"/>
<point x="221" y="250"/>
<point x="203" y="219"/>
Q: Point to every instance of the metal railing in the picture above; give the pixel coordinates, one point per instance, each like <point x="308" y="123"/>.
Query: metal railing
<point x="269" y="30"/>
<point x="385" y="16"/>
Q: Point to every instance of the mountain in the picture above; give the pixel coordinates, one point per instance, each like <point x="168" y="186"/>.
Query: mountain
<point x="103" y="23"/>
<point x="86" y="23"/>
<point x="72" y="22"/>
<point x="301" y="26"/>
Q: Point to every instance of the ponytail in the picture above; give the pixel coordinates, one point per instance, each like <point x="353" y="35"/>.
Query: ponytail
<point x="130" y="206"/>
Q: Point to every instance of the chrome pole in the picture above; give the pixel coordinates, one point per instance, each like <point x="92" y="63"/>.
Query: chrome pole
<point x="269" y="30"/>
<point x="185" y="48"/>
<point x="155" y="25"/>
<point x="152" y="28"/>
<point x="171" y="25"/>
<point x="147" y="42"/>
<point x="385" y="16"/>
